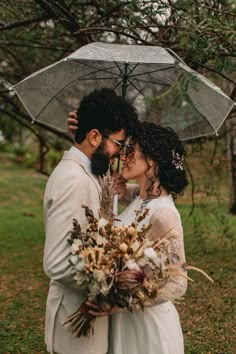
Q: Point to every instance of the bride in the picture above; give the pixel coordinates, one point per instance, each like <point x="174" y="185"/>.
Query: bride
<point x="154" y="158"/>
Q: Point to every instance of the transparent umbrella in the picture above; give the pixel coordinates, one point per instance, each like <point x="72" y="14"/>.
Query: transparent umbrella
<point x="161" y="87"/>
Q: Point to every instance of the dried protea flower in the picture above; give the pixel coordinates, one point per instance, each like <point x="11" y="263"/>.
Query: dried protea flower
<point x="128" y="281"/>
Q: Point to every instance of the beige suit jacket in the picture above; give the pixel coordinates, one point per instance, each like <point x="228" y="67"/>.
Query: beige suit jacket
<point x="69" y="186"/>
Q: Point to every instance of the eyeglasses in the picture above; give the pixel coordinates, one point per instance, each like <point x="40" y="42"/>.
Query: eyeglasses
<point x="129" y="149"/>
<point x="124" y="147"/>
<point x="121" y="145"/>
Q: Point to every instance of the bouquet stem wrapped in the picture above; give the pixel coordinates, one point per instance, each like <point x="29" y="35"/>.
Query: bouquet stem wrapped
<point x="80" y="324"/>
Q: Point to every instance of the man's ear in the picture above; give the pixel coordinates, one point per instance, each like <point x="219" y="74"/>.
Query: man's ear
<point x="94" y="137"/>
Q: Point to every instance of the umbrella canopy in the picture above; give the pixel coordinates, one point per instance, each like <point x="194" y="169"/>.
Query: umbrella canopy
<point x="162" y="88"/>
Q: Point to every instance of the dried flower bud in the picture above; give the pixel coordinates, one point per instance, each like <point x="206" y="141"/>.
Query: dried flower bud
<point x="102" y="222"/>
<point x="123" y="247"/>
<point x="131" y="231"/>
<point x="107" y="246"/>
<point x="103" y="261"/>
<point x="149" y="253"/>
<point x="141" y="295"/>
<point x="132" y="265"/>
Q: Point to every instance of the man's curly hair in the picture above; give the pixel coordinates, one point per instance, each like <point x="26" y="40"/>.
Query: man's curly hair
<point x="106" y="111"/>
<point x="158" y="143"/>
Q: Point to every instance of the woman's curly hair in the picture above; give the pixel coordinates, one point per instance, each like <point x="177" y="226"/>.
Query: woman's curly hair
<point x="162" y="145"/>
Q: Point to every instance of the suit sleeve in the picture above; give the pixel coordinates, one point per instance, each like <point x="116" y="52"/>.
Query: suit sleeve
<point x="62" y="203"/>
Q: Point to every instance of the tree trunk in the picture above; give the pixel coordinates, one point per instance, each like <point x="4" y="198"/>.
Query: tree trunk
<point x="43" y="149"/>
<point x="231" y="147"/>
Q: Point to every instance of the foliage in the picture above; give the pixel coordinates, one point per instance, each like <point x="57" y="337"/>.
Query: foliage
<point x="3" y="146"/>
<point x="36" y="33"/>
<point x="53" y="157"/>
<point x="19" y="150"/>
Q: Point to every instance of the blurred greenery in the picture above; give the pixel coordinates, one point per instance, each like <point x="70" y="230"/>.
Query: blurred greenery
<point x="207" y="313"/>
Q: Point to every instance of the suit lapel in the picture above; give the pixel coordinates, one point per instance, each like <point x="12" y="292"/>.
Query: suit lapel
<point x="70" y="156"/>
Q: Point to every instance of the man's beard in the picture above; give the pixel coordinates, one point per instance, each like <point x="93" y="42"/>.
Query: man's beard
<point x="100" y="161"/>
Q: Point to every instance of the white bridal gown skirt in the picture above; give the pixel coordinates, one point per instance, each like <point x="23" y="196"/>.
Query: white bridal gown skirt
<point x="156" y="330"/>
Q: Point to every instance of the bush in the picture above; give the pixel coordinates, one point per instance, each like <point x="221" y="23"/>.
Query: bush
<point x="4" y="147"/>
<point x="19" y="151"/>
<point x="53" y="157"/>
<point x="30" y="159"/>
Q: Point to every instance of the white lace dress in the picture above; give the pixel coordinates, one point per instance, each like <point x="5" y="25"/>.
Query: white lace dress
<point x="157" y="329"/>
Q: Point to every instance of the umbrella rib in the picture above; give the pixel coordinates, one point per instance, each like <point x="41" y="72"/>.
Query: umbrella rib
<point x="140" y="74"/>
<point x="96" y="79"/>
<point x="153" y="71"/>
<point x="114" y="87"/>
<point x="98" y="69"/>
<point x="78" y="78"/>
<point x="132" y="84"/>
<point x="122" y="75"/>
<point x="121" y="71"/>
<point x="125" y="77"/>
<point x="154" y="83"/>
<point x="131" y="69"/>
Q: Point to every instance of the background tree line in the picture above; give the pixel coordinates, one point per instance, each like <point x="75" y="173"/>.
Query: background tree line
<point x="36" y="33"/>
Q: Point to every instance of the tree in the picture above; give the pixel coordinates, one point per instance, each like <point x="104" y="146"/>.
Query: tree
<point x="36" y="33"/>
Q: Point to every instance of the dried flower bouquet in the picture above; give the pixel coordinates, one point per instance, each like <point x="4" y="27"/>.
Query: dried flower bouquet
<point x="119" y="265"/>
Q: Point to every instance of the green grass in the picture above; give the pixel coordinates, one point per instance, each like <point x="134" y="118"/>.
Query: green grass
<point x="23" y="286"/>
<point x="208" y="312"/>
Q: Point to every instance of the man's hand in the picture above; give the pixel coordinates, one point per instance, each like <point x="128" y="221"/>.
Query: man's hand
<point x="103" y="309"/>
<point x="119" y="185"/>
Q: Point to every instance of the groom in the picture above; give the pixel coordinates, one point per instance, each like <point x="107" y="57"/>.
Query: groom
<point x="105" y="119"/>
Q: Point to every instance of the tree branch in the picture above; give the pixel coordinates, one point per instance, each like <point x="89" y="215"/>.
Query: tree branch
<point x="36" y="46"/>
<point x="18" y="120"/>
<point x="23" y="23"/>
<point x="59" y="10"/>
<point x="116" y="31"/>
<point x="227" y="13"/>
<point x="43" y="145"/>
<point x="37" y="123"/>
<point x="192" y="187"/>
<point x="214" y="71"/>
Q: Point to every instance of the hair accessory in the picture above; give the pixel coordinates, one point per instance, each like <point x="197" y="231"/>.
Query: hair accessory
<point x="177" y="160"/>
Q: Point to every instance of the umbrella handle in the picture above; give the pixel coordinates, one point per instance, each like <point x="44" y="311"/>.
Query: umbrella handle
<point x="118" y="164"/>
<point x="115" y="199"/>
<point x="115" y="205"/>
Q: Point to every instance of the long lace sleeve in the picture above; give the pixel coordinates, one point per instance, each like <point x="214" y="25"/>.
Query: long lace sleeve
<point x="162" y="221"/>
